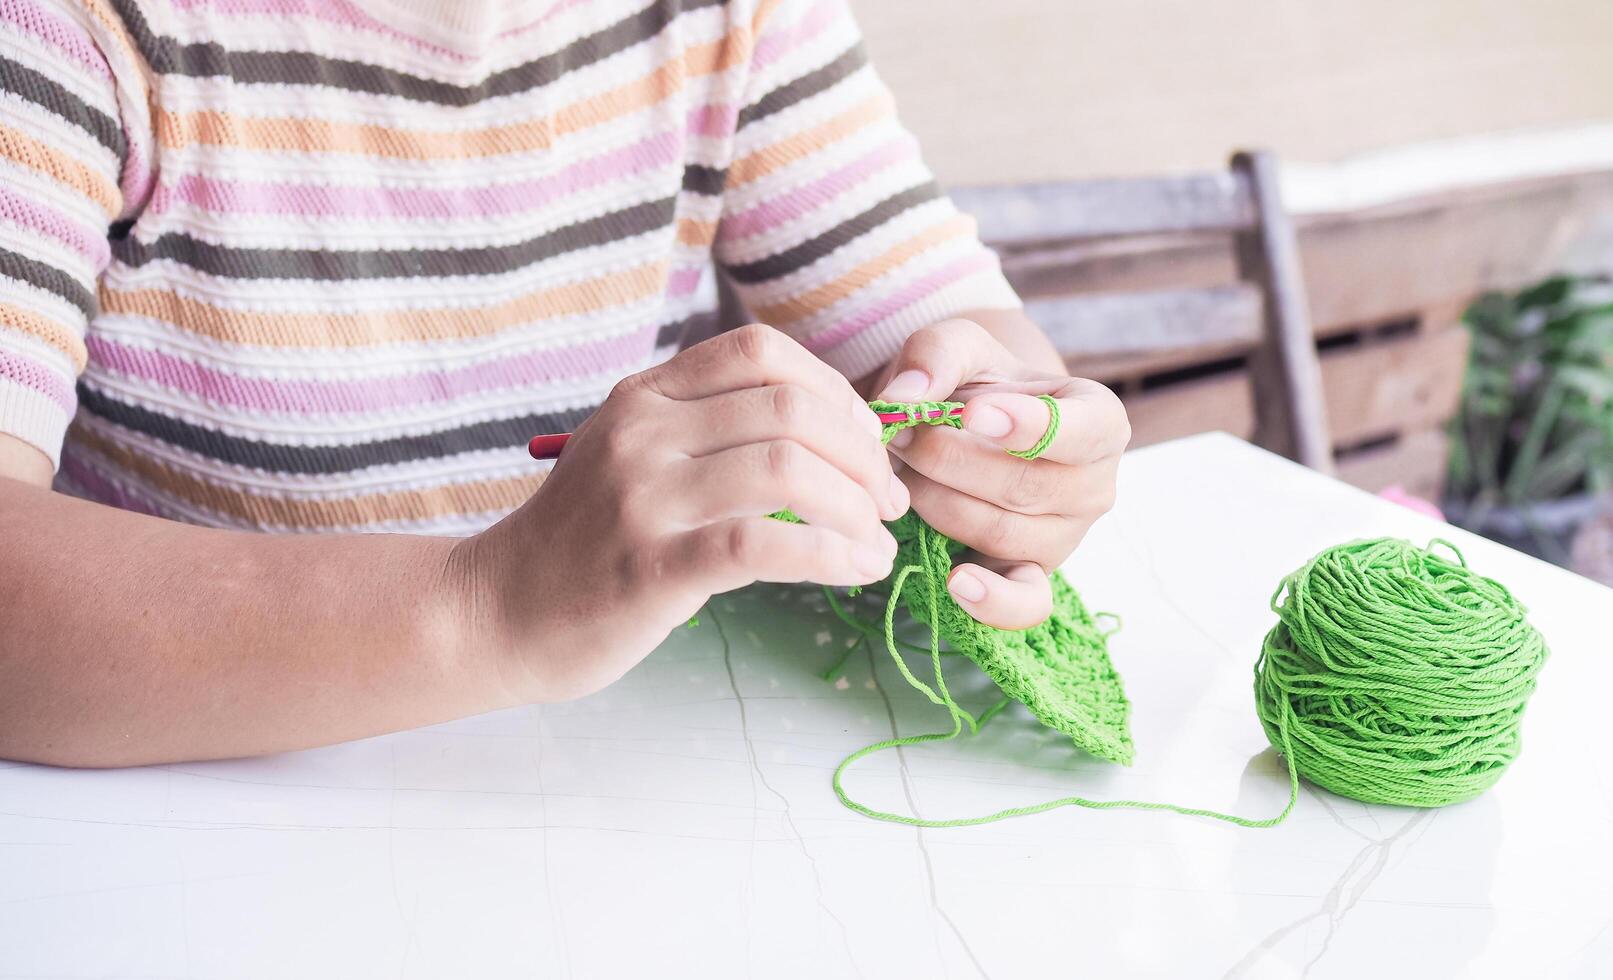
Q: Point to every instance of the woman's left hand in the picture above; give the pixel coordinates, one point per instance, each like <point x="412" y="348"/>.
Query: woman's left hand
<point x="1022" y="517"/>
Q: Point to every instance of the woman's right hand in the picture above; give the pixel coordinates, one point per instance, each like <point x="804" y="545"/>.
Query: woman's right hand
<point x="660" y="502"/>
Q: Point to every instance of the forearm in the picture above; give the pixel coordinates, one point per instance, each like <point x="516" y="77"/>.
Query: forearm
<point x="126" y="639"/>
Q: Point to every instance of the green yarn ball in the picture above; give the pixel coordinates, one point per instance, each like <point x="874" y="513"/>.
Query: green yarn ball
<point x="1396" y="675"/>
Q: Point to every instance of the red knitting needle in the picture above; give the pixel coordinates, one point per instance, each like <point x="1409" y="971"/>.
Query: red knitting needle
<point x="549" y="446"/>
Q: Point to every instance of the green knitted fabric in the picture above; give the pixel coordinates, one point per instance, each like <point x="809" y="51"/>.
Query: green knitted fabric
<point x="1059" y="669"/>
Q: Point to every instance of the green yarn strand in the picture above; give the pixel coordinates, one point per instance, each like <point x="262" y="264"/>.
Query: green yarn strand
<point x="961" y="719"/>
<point x="1047" y="436"/>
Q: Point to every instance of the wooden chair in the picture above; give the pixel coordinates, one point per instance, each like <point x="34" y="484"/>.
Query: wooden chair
<point x="1262" y="314"/>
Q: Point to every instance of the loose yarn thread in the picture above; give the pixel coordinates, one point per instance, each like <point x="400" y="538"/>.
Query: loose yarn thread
<point x="1393" y="675"/>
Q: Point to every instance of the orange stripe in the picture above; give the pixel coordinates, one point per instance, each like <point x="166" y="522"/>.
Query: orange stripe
<point x="770" y="158"/>
<point x="697" y="233"/>
<point x="388" y="326"/>
<point x="177" y="129"/>
<point x="785" y="311"/>
<point x="53" y="333"/>
<point x="311" y="514"/>
<point x="58" y="166"/>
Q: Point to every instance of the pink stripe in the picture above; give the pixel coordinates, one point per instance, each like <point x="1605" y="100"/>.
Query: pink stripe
<point x="771" y="47"/>
<point x="51" y="223"/>
<point x="49" y="28"/>
<point x="683" y="282"/>
<point x="273" y="198"/>
<point x="293" y="396"/>
<point x="716" y="121"/>
<point x="915" y="291"/>
<point x="34" y="376"/>
<point x="772" y="213"/>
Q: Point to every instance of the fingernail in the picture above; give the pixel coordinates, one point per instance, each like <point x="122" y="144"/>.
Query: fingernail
<point x="967" y="587"/>
<point x="909" y="386"/>
<point x="870" y="562"/>
<point x="900" y="498"/>
<point x="902" y="439"/>
<point x="989" y="421"/>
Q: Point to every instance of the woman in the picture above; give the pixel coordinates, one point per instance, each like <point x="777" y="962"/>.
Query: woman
<point x="297" y="266"/>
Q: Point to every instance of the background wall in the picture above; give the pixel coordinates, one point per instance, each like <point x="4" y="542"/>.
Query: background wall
<point x="1011" y="90"/>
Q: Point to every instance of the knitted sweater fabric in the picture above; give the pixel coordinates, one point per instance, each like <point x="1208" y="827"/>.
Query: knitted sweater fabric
<point x="325" y="265"/>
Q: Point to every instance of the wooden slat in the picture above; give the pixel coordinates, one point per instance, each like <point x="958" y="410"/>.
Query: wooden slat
<point x="1416" y="461"/>
<point x="1220" y="403"/>
<point x="1099" y="325"/>
<point x="1290" y="412"/>
<point x="1404" y="384"/>
<point x="1021" y="213"/>
<point x="1121" y="368"/>
<point x="1368" y="267"/>
<point x="1396" y="385"/>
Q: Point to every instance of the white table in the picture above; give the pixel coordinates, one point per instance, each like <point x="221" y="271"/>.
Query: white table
<point x="681" y="824"/>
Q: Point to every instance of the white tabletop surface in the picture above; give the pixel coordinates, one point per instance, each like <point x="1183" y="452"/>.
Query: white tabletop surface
<point x="681" y="824"/>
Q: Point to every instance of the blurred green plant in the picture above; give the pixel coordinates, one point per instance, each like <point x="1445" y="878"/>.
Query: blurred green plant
<point x="1536" y="418"/>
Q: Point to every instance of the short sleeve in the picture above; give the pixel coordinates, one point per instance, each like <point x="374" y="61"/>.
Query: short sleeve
<point x="833" y="229"/>
<point x="67" y="164"/>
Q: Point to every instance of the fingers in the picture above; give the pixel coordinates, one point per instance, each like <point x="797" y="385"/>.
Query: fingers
<point x="732" y="554"/>
<point x="796" y="413"/>
<point x="1092" y="422"/>
<point x="937" y="360"/>
<point x="1046" y="539"/>
<point x="1007" y="595"/>
<point x="761" y="478"/>
<point x="1034" y="487"/>
<point x="755" y="356"/>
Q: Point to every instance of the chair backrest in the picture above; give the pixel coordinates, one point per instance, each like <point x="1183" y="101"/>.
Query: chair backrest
<point x="1036" y="226"/>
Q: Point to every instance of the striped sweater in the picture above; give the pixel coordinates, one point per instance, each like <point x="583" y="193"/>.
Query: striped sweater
<point x="318" y="265"/>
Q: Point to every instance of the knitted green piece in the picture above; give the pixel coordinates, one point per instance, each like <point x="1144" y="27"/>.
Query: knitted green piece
<point x="918" y="413"/>
<point x="1048" y="434"/>
<point x="1059" y="669"/>
<point x="1398" y="675"/>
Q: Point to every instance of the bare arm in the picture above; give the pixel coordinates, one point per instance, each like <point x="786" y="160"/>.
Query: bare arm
<point x="127" y="639"/>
